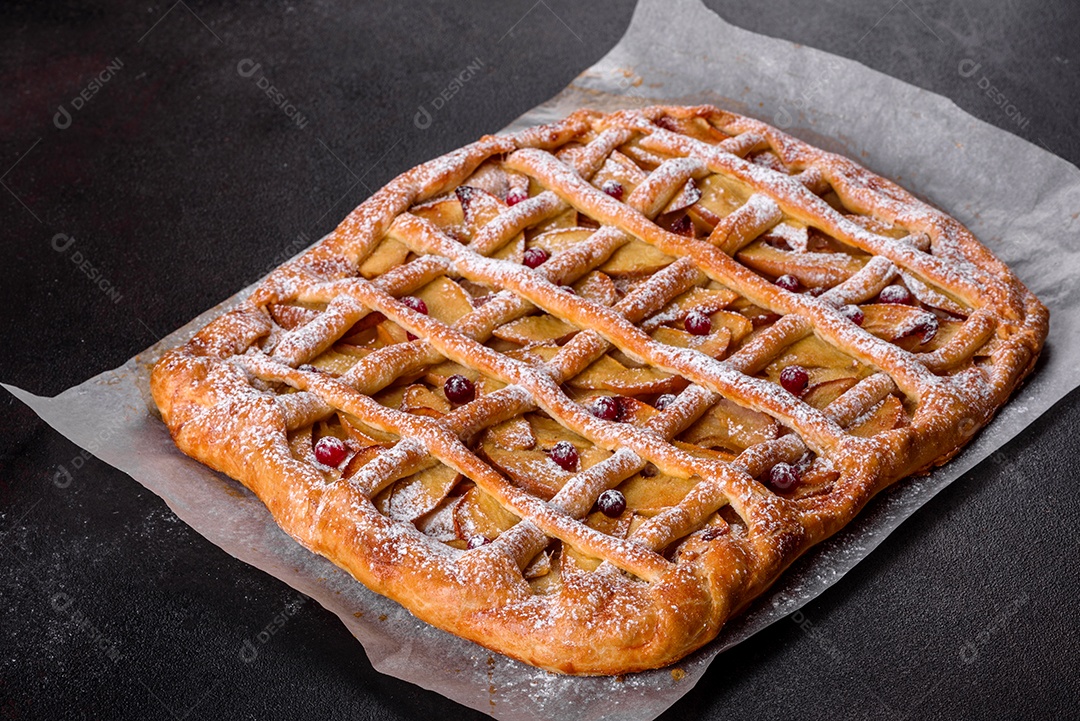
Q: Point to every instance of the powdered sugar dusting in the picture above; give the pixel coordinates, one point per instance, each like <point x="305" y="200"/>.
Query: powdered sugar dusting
<point x="604" y="601"/>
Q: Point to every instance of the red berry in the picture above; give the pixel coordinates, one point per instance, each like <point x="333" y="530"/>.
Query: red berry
<point x="853" y="313"/>
<point x="569" y="289"/>
<point x="534" y="257"/>
<point x="664" y="401"/>
<point x="895" y="294"/>
<point x="927" y="328"/>
<point x="482" y="300"/>
<point x="467" y="195"/>
<point x="783" y="477"/>
<point x="330" y="451"/>
<point x="516" y="195"/>
<point x="697" y="323"/>
<point x="789" y="283"/>
<point x="477" y="541"/>
<point x="668" y="123"/>
<point x="683" y="226"/>
<point x="613" y="188"/>
<point x="565" y="455"/>
<point x="605" y="408"/>
<point x="611" y="503"/>
<point x="649" y="471"/>
<point x="794" y="379"/>
<point x="415" y="303"/>
<point x="459" y="389"/>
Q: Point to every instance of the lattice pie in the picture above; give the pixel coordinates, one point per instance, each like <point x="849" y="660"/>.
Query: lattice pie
<point x="581" y="393"/>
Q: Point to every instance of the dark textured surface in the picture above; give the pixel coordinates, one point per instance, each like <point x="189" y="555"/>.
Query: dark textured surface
<point x="180" y="180"/>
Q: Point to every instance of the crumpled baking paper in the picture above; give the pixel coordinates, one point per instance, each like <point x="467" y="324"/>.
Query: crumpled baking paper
<point x="1018" y="199"/>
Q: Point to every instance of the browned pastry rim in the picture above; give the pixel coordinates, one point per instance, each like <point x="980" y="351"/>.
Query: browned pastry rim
<point x="667" y="587"/>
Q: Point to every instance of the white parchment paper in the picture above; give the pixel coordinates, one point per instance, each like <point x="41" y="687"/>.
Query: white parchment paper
<point x="1017" y="198"/>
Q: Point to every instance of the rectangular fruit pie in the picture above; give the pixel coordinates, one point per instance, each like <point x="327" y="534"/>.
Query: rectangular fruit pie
<point x="581" y="393"/>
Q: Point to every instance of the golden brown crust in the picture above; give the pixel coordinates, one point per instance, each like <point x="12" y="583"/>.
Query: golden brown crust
<point x="670" y="576"/>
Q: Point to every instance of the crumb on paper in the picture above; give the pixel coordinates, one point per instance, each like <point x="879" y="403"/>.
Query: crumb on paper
<point x="632" y="79"/>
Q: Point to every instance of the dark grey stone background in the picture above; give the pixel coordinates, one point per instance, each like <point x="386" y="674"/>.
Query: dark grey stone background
<point x="180" y="180"/>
